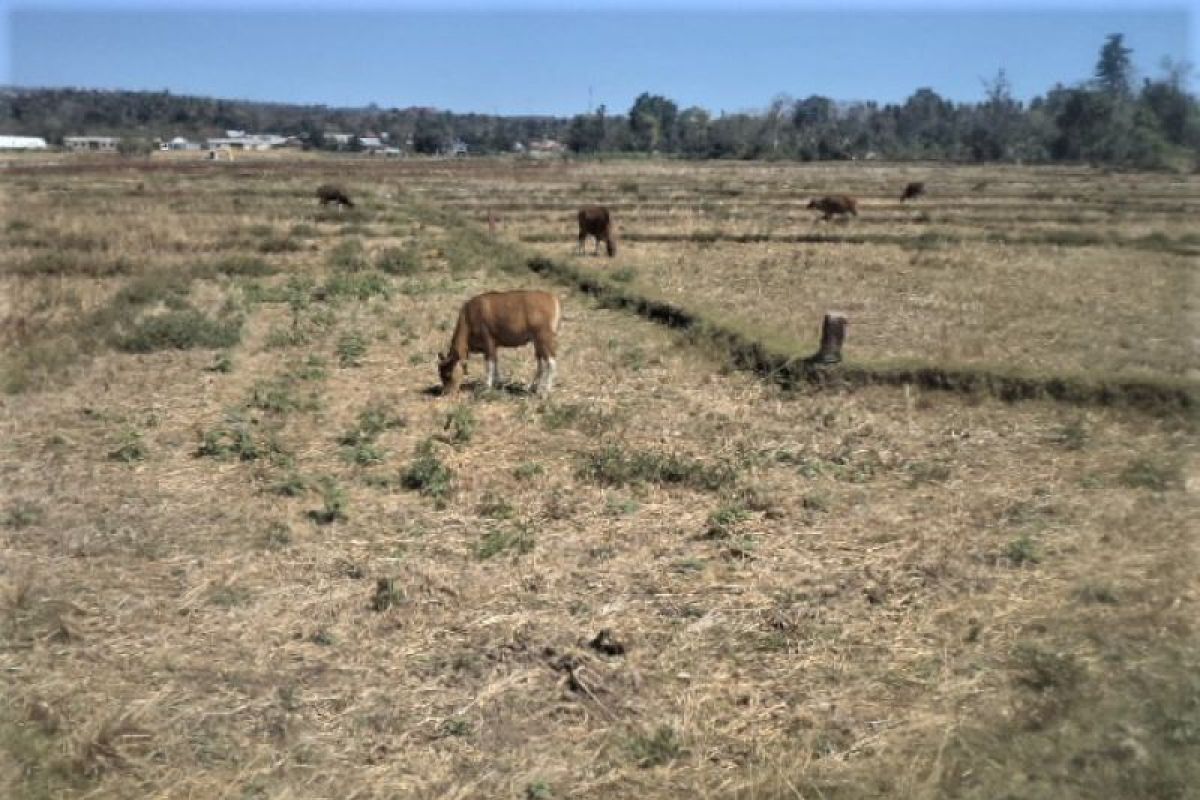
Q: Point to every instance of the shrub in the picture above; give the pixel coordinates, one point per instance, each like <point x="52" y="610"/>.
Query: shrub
<point x="372" y="421"/>
<point x="364" y="454"/>
<point x="724" y="520"/>
<point x="134" y="146"/>
<point x="1072" y="436"/>
<point x="1022" y="550"/>
<point x="1157" y="476"/>
<point x="519" y="539"/>
<point x="556" y="416"/>
<point x="358" y="286"/>
<point x="179" y="330"/>
<point x="387" y="594"/>
<point x="22" y="514"/>
<point x="528" y="471"/>
<point x="613" y="467"/>
<point x="375" y="419"/>
<point x="348" y="256"/>
<point x="237" y="440"/>
<point x="274" y="395"/>
<point x="246" y="266"/>
<point x="224" y="442"/>
<point x="655" y="749"/>
<point x="460" y="423"/>
<point x="428" y="475"/>
<point x="1042" y="670"/>
<point x="292" y="485"/>
<point x="277" y="536"/>
<point x="333" y="504"/>
<point x="223" y="362"/>
<point x="398" y="261"/>
<point x="130" y="448"/>
<point x="351" y="347"/>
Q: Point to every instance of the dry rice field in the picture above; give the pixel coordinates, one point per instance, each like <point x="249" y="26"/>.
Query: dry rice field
<point x="247" y="550"/>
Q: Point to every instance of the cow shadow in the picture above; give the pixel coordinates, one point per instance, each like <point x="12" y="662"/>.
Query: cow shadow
<point x="477" y="390"/>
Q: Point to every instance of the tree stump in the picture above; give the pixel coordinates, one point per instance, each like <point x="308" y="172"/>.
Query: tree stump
<point x="833" y="335"/>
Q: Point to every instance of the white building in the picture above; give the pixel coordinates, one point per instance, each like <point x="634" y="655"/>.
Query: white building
<point x="180" y="143"/>
<point x="93" y="144"/>
<point x="21" y="142"/>
<point x="246" y="141"/>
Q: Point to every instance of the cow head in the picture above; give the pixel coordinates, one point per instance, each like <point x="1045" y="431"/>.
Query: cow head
<point x="451" y="371"/>
<point x="814" y="204"/>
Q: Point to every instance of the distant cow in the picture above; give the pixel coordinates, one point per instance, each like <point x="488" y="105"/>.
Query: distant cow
<point x="328" y="193"/>
<point x="915" y="189"/>
<point x="493" y="320"/>
<point x="835" y="204"/>
<point x="595" y="221"/>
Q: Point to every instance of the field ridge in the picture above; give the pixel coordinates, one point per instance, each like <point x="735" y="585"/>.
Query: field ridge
<point x="791" y="367"/>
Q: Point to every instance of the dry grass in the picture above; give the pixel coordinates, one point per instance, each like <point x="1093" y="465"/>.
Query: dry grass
<point x="877" y="593"/>
<point x="1046" y="270"/>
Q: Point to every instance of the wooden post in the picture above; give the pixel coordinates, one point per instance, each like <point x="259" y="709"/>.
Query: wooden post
<point x="491" y="223"/>
<point x="833" y="335"/>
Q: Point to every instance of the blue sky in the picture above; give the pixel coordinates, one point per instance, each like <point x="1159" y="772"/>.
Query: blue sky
<point x="534" y="58"/>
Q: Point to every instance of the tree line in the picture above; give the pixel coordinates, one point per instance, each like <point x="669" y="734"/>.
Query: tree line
<point x="1107" y="120"/>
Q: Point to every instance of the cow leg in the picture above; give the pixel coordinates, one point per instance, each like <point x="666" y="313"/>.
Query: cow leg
<point x="544" y="347"/>
<point x="493" y="364"/>
<point x="582" y="239"/>
<point x="536" y="386"/>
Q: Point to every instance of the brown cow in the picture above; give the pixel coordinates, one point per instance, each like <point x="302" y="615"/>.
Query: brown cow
<point x="914" y="189"/>
<point x="493" y="320"/>
<point x="328" y="193"/>
<point x="830" y="205"/>
<point x="595" y="221"/>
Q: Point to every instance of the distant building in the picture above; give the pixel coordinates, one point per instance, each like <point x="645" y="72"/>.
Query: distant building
<point x="180" y="143"/>
<point x="546" y="146"/>
<point x="92" y="144"/>
<point x="22" y="142"/>
<point x="457" y="148"/>
<point x="340" y="139"/>
<point x="246" y="141"/>
<point x="370" y="143"/>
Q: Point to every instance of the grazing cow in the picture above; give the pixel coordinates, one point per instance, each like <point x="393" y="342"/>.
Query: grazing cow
<point x="595" y="221"/>
<point x="328" y="193"/>
<point x="503" y="319"/>
<point x="830" y="205"/>
<point x="915" y="189"/>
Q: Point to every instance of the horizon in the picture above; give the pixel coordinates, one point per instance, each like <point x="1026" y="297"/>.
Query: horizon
<point x="420" y="58"/>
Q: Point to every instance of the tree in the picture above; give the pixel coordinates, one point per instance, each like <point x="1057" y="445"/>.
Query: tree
<point x="693" y="126"/>
<point x="586" y="134"/>
<point x="134" y="146"/>
<point x="1114" y="70"/>
<point x="992" y="135"/>
<point x="652" y="122"/>
<point x="432" y="133"/>
<point x="1176" y="112"/>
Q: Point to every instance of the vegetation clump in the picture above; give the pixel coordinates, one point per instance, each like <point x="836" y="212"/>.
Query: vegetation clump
<point x="428" y="475"/>
<point x="613" y="466"/>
